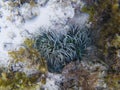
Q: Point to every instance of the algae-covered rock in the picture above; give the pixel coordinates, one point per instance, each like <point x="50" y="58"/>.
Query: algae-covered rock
<point x="105" y="19"/>
<point x="113" y="81"/>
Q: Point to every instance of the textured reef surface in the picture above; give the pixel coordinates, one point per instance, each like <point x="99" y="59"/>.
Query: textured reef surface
<point x="59" y="44"/>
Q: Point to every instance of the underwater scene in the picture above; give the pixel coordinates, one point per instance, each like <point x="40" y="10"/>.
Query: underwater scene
<point x="59" y="44"/>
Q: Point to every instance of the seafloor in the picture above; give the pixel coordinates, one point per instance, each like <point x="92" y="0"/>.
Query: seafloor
<point x="59" y="44"/>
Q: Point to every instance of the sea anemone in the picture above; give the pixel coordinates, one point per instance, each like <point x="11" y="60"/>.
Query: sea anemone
<point x="60" y="50"/>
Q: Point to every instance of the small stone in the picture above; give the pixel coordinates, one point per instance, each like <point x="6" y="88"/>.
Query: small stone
<point x="8" y="46"/>
<point x="25" y="33"/>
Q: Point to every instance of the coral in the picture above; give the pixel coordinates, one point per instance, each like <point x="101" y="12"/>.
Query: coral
<point x="59" y="49"/>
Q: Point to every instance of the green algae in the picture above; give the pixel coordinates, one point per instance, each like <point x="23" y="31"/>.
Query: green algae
<point x="29" y="54"/>
<point x="105" y="18"/>
<point x="113" y="81"/>
<point x="16" y="80"/>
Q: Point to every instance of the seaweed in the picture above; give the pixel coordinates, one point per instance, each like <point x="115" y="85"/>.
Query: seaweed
<point x="106" y="27"/>
<point x="113" y="81"/>
<point x="15" y="79"/>
<point x="28" y="55"/>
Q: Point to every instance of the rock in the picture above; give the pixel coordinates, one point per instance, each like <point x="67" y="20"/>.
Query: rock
<point x="79" y="18"/>
<point x="8" y="46"/>
<point x="43" y="2"/>
<point x="25" y="33"/>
